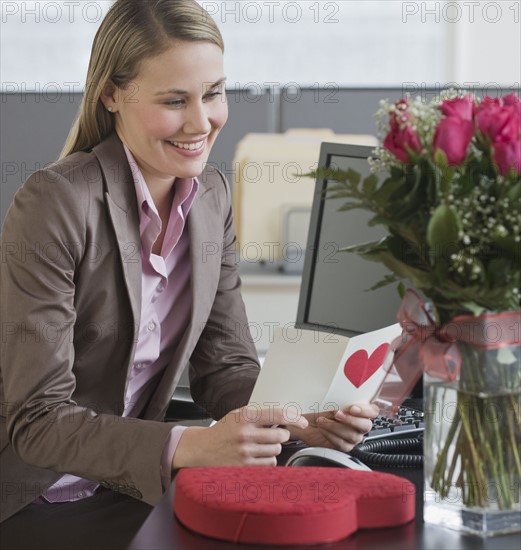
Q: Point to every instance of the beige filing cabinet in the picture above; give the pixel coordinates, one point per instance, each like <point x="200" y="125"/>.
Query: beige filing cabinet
<point x="268" y="187"/>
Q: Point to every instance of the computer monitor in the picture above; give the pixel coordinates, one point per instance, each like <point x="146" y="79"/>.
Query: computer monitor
<point x="335" y="295"/>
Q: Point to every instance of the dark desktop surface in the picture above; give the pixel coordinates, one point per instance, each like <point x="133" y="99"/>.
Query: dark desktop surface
<point x="162" y="531"/>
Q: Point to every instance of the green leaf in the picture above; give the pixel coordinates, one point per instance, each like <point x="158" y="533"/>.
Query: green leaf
<point x="381" y="220"/>
<point x="440" y="158"/>
<point x="389" y="187"/>
<point x="446" y="179"/>
<point x="412" y="233"/>
<point x="366" y="248"/>
<point x="474" y="308"/>
<point x="397" y="172"/>
<point x="412" y="199"/>
<point x="443" y="231"/>
<point x="497" y="272"/>
<point x="514" y="193"/>
<point x="369" y="185"/>
<point x="401" y="289"/>
<point x="335" y="174"/>
<point x="387" y="280"/>
<point x="510" y="249"/>
<point x="403" y="250"/>
<point x="378" y="251"/>
<point x="350" y="206"/>
<point x="418" y="278"/>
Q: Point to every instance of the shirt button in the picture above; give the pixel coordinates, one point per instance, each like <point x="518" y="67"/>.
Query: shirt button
<point x="160" y="287"/>
<point x="139" y="366"/>
<point x="151" y="326"/>
<point x="81" y="494"/>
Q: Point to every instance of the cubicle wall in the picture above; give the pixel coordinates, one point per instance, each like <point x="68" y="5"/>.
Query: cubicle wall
<point x="34" y="127"/>
<point x="344" y="111"/>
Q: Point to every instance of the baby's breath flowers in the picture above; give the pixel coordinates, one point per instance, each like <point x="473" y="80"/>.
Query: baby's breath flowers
<point x="484" y="220"/>
<point x="422" y="118"/>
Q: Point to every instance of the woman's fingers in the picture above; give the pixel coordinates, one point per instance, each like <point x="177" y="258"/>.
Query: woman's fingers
<point x="248" y="436"/>
<point x="337" y="432"/>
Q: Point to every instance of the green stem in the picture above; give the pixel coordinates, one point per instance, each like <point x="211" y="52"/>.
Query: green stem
<point x="438" y="482"/>
<point x="511" y="432"/>
<point x="499" y="471"/>
<point x="476" y="464"/>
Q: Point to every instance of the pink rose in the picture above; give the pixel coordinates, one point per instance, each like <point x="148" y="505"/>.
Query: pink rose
<point x="453" y="136"/>
<point x="400" y="116"/>
<point x="499" y="122"/>
<point x="514" y="101"/>
<point x="488" y="101"/>
<point x="455" y="129"/>
<point x="401" y="141"/>
<point x="461" y="107"/>
<point x="507" y="156"/>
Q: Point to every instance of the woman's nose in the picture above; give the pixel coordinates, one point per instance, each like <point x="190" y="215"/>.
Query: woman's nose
<point x="197" y="120"/>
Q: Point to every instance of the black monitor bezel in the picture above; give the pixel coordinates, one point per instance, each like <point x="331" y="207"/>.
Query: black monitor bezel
<point x="327" y="151"/>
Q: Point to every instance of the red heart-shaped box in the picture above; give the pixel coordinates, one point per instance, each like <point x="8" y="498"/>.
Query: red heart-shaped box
<point x="290" y="506"/>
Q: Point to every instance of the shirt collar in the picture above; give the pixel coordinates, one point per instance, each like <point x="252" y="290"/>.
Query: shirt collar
<point x="147" y="209"/>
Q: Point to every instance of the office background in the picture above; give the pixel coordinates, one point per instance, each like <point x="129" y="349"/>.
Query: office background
<point x="305" y="64"/>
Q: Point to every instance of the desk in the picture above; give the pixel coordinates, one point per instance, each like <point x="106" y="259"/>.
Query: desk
<point x="162" y="531"/>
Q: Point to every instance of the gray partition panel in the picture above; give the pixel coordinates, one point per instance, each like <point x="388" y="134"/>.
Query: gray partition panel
<point x="34" y="127"/>
<point x="343" y="111"/>
<point x="350" y="111"/>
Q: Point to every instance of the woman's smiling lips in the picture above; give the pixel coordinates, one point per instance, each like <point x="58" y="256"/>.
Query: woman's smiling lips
<point x="188" y="148"/>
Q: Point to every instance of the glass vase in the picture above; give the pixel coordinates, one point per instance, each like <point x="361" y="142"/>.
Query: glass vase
<point x="472" y="443"/>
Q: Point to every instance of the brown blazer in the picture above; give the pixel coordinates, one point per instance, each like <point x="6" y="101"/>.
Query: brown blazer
<point x="71" y="300"/>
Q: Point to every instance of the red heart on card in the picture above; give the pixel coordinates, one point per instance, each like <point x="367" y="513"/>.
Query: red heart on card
<point x="359" y="367"/>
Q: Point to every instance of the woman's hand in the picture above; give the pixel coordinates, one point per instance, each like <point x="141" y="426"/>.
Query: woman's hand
<point x="245" y="437"/>
<point x="340" y="430"/>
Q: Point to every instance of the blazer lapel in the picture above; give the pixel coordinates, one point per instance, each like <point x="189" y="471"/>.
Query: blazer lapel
<point x="203" y="278"/>
<point x="122" y="205"/>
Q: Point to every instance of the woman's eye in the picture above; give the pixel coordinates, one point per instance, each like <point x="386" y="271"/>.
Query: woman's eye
<point x="212" y="95"/>
<point x="175" y="102"/>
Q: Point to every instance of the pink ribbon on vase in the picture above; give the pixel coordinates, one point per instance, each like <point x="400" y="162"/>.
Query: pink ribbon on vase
<point x="422" y="347"/>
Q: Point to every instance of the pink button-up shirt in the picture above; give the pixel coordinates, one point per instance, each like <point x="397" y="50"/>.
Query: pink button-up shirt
<point x="165" y="313"/>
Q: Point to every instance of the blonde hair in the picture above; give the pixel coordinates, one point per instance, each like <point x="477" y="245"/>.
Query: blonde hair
<point x="133" y="30"/>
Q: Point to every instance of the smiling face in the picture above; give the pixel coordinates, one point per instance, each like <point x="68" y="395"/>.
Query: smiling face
<point x="170" y="115"/>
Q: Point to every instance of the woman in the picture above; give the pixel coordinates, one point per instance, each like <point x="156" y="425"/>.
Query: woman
<point x="109" y="288"/>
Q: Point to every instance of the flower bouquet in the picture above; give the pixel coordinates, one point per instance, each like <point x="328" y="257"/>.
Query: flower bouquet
<point x="451" y="205"/>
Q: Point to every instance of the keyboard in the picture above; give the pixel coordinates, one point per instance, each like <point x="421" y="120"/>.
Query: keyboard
<point x="408" y="422"/>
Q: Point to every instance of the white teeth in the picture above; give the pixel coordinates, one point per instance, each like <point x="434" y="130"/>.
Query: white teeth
<point x="188" y="146"/>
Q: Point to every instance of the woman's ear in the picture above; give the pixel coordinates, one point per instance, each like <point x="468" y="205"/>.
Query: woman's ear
<point x="109" y="96"/>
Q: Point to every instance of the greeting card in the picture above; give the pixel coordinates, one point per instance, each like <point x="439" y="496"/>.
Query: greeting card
<point x="314" y="371"/>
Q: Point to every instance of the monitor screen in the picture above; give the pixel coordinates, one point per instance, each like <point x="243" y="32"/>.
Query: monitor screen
<point x="335" y="295"/>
